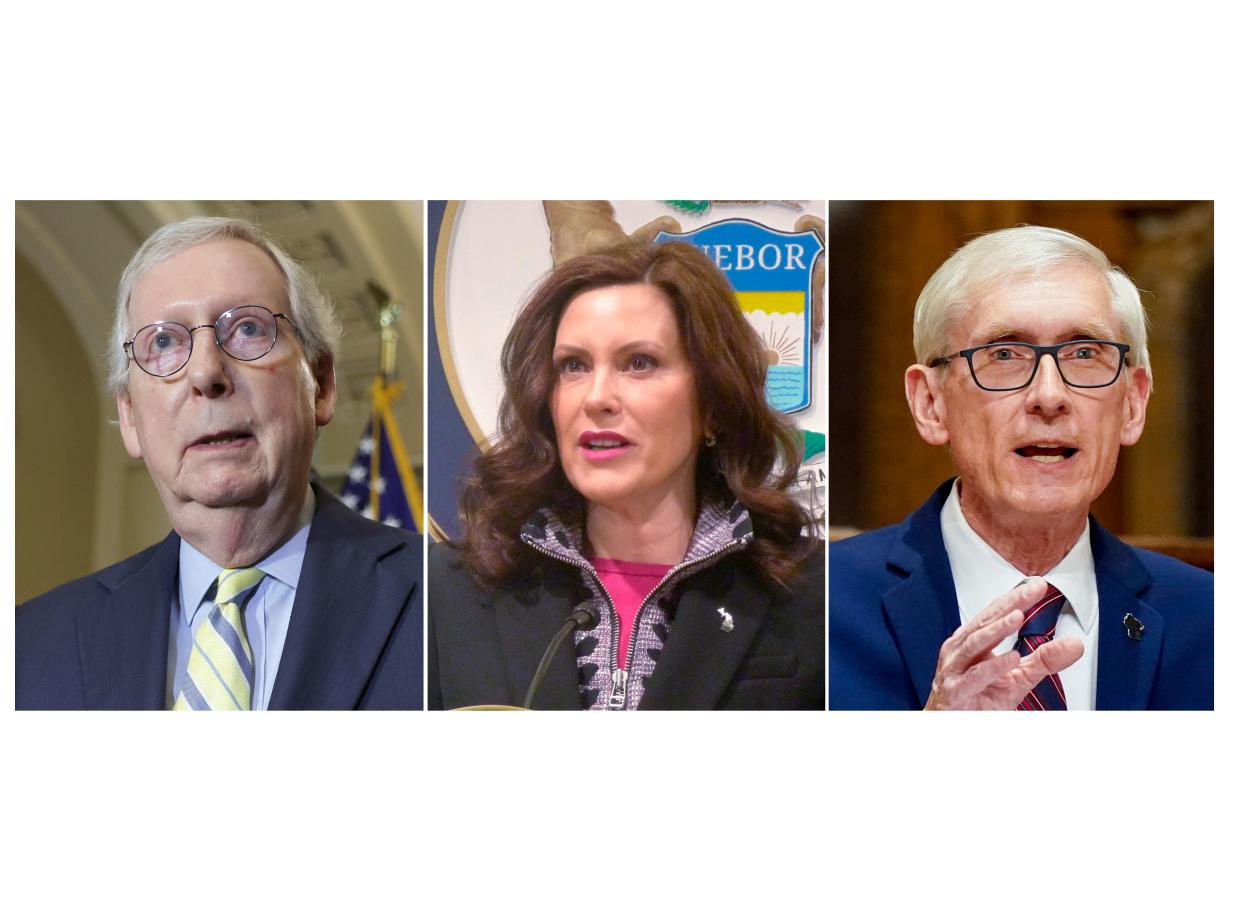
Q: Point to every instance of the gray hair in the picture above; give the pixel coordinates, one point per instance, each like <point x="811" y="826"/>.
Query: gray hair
<point x="317" y="326"/>
<point x="1006" y="254"/>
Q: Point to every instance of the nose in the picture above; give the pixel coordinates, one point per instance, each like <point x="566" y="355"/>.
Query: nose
<point x="602" y="396"/>
<point x="207" y="371"/>
<point x="1048" y="394"/>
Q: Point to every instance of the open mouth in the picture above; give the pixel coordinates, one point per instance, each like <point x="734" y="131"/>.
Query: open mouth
<point x="602" y="445"/>
<point x="1046" y="453"/>
<point x="601" y="440"/>
<point x="222" y="439"/>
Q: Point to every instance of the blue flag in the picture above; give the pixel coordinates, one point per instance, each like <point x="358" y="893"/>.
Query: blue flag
<point x="380" y="482"/>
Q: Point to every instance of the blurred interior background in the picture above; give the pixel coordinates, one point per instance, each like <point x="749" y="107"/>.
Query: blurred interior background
<point x="880" y="255"/>
<point x="81" y="501"/>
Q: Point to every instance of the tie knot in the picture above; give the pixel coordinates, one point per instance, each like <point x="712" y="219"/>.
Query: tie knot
<point x="1041" y="619"/>
<point x="232" y="582"/>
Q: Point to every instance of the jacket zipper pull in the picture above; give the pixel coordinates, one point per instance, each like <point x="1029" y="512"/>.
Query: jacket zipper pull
<point x="616" y="701"/>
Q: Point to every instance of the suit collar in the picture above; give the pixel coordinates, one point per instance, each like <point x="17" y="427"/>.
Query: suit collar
<point x="718" y="528"/>
<point x="124" y="645"/>
<point x="346" y="607"/>
<point x="922" y="608"/>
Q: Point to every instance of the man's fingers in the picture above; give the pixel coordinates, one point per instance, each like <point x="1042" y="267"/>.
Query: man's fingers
<point x="986" y="638"/>
<point x="1059" y="654"/>
<point x="986" y="672"/>
<point x="965" y="647"/>
<point x="970" y="640"/>
<point x="1020" y="598"/>
<point x="967" y="668"/>
<point x="1053" y="657"/>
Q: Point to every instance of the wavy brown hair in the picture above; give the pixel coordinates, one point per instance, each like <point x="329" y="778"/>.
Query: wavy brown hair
<point x="521" y="472"/>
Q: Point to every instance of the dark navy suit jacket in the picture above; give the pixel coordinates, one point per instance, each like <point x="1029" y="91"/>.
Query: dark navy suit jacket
<point x="892" y="604"/>
<point x="354" y="641"/>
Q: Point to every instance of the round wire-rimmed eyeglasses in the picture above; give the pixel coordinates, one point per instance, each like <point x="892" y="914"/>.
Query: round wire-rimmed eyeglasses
<point x="244" y="333"/>
<point x="1003" y="366"/>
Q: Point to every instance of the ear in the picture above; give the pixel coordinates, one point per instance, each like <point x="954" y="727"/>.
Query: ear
<point x="1134" y="408"/>
<point x="325" y="390"/>
<point x="705" y="421"/>
<point x="128" y="423"/>
<point x="924" y="397"/>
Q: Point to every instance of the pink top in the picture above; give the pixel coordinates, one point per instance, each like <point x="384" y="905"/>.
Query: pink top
<point x="628" y="584"/>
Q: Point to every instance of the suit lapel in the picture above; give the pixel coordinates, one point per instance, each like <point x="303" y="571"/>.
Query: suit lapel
<point x="700" y="658"/>
<point x="922" y="609"/>
<point x="918" y="611"/>
<point x="1126" y="667"/>
<point x="354" y="583"/>
<point x="124" y="645"/>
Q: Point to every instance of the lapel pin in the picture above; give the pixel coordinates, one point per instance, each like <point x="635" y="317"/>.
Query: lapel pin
<point x="1134" y="628"/>
<point x="726" y="619"/>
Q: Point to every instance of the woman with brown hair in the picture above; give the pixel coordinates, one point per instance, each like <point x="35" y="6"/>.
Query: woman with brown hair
<point x="635" y="491"/>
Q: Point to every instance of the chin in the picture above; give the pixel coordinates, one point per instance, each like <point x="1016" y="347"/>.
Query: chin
<point x="231" y="493"/>
<point x="595" y="483"/>
<point x="603" y="496"/>
<point x="1051" y="501"/>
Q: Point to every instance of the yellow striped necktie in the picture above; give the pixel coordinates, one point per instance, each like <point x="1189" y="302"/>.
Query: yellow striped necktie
<point x="220" y="673"/>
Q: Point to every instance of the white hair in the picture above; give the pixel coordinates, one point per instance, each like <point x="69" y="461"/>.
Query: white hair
<point x="1008" y="254"/>
<point x="318" y="329"/>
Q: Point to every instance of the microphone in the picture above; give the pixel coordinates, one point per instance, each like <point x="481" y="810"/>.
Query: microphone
<point x="583" y="617"/>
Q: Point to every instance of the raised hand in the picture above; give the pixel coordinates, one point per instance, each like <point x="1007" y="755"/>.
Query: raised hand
<point x="970" y="677"/>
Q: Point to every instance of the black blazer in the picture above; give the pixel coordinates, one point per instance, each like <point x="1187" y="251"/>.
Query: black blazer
<point x="484" y="644"/>
<point x="355" y="636"/>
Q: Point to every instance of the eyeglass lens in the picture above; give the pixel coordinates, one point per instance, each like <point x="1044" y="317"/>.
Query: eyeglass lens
<point x="246" y="333"/>
<point x="1082" y="363"/>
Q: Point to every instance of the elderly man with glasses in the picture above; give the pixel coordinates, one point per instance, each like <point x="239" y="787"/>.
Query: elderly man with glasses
<point x="1001" y="592"/>
<point x="269" y="593"/>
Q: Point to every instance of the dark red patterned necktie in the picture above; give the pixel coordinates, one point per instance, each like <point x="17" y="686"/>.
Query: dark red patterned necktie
<point x="1039" y="627"/>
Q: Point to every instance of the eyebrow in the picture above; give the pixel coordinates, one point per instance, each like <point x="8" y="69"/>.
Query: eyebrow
<point x="637" y="345"/>
<point x="1000" y="332"/>
<point x="181" y="307"/>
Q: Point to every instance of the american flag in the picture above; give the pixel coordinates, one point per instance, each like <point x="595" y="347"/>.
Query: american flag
<point x="380" y="482"/>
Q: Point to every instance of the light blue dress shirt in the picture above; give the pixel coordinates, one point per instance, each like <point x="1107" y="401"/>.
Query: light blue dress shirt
<point x="267" y="613"/>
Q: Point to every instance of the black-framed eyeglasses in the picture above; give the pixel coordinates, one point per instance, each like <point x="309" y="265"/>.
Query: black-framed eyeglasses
<point x="244" y="332"/>
<point x="1084" y="363"/>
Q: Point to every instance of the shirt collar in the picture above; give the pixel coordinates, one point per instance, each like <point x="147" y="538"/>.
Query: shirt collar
<point x="718" y="527"/>
<point x="980" y="574"/>
<point x="284" y="563"/>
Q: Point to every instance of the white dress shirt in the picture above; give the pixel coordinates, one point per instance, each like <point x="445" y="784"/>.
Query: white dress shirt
<point x="980" y="575"/>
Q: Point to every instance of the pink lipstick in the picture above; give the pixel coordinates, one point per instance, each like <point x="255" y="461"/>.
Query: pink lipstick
<point x="602" y="445"/>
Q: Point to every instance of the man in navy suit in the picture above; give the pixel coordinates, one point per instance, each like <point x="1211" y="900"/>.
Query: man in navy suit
<point x="1033" y="369"/>
<point x="222" y="363"/>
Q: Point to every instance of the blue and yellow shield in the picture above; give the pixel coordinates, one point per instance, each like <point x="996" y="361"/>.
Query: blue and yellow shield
<point x="771" y="272"/>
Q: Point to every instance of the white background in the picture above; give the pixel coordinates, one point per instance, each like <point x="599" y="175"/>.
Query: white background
<point x="700" y="814"/>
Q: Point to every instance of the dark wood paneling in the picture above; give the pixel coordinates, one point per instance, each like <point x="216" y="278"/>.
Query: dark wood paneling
<point x="880" y="256"/>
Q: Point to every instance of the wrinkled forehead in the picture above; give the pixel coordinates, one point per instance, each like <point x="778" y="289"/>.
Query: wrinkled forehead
<point x="1043" y="307"/>
<point x="200" y="282"/>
